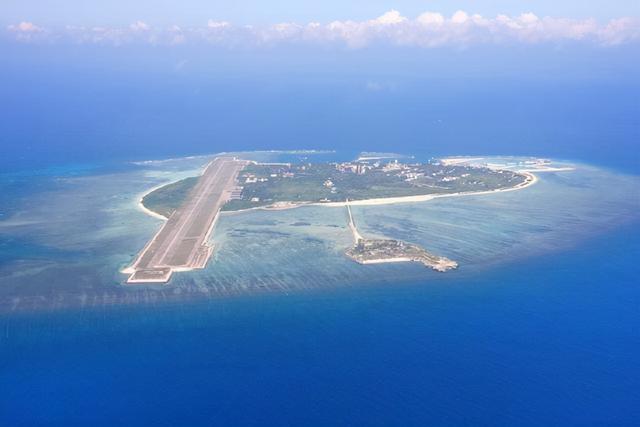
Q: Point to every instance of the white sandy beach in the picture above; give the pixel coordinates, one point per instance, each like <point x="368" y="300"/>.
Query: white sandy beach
<point x="144" y="209"/>
<point x="141" y="196"/>
<point x="531" y="180"/>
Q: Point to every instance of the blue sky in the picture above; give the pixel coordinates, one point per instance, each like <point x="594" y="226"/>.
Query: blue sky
<point x="196" y="12"/>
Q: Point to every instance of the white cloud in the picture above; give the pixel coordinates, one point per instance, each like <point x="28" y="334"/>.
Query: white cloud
<point x="217" y="24"/>
<point x="389" y="18"/>
<point x="27" y="31"/>
<point x="429" y="29"/>
<point x="140" y="26"/>
<point x="176" y="35"/>
<point x="25" y="27"/>
<point x="460" y="17"/>
<point x="619" y="31"/>
<point x="529" y="18"/>
<point x="430" y="18"/>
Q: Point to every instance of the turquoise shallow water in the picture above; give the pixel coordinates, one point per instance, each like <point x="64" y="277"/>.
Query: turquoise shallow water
<point x="549" y="340"/>
<point x="538" y="326"/>
<point x="65" y="244"/>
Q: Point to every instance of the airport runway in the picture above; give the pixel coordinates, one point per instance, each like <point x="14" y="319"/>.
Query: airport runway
<point x="181" y="244"/>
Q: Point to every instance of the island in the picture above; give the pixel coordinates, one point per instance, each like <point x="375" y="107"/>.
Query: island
<point x="282" y="185"/>
<point x="378" y="251"/>
<point x="191" y="206"/>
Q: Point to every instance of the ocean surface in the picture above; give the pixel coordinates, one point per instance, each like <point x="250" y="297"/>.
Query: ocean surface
<point x="540" y="325"/>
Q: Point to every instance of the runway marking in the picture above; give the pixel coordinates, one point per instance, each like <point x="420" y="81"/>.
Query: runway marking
<point x="181" y="243"/>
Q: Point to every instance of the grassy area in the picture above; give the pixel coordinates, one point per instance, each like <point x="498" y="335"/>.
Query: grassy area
<point x="165" y="200"/>
<point x="268" y="184"/>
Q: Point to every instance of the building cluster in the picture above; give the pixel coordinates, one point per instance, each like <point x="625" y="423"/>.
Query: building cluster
<point x="251" y="178"/>
<point x="236" y="193"/>
<point x="536" y="162"/>
<point x="330" y="185"/>
<point x="407" y="172"/>
<point x="355" y="167"/>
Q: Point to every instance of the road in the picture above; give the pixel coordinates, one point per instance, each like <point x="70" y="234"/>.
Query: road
<point x="352" y="225"/>
<point x="181" y="244"/>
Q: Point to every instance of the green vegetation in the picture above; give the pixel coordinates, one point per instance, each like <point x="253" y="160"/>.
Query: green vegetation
<point x="330" y="182"/>
<point x="165" y="200"/>
<point x="266" y="184"/>
<point x="368" y="251"/>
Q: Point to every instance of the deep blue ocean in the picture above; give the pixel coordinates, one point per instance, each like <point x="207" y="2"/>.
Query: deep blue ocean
<point x="551" y="339"/>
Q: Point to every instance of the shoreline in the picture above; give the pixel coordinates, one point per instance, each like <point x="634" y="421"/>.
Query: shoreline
<point x="531" y="180"/>
<point x="160" y="271"/>
<point x="148" y="211"/>
<point x="141" y="196"/>
<point x="528" y="173"/>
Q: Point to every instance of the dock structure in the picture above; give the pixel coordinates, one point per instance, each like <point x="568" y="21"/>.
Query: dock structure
<point x="182" y="242"/>
<point x="352" y="225"/>
<point x="382" y="251"/>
